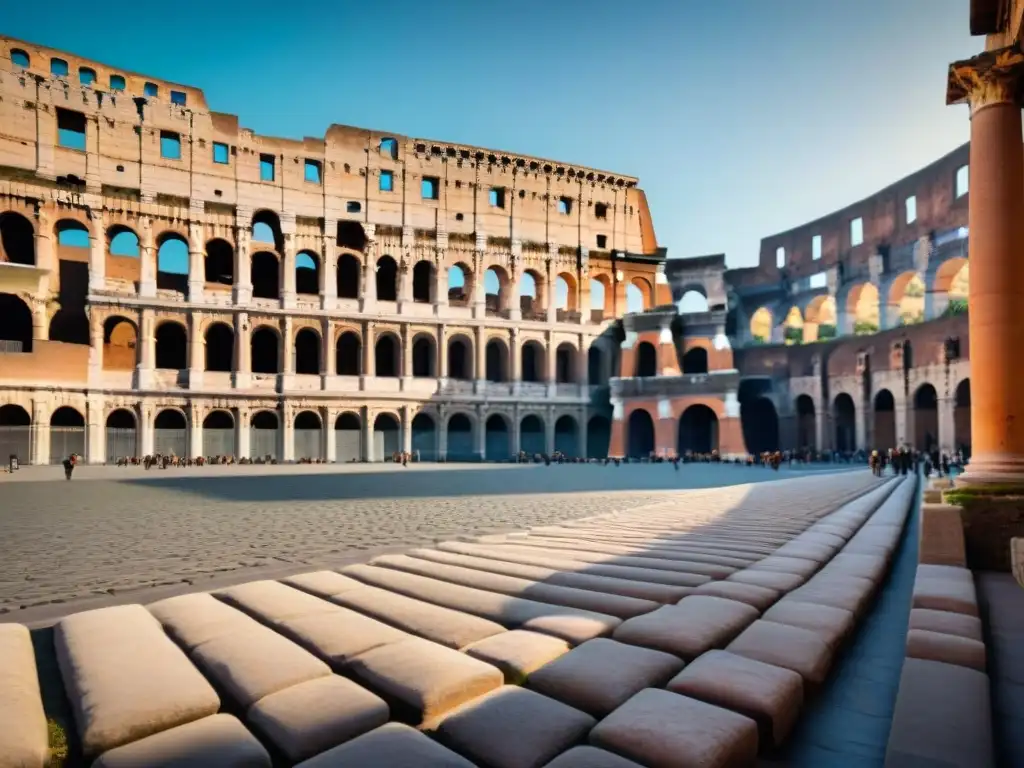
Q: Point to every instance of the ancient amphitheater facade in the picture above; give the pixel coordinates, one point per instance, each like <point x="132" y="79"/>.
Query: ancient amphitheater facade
<point x="172" y="282"/>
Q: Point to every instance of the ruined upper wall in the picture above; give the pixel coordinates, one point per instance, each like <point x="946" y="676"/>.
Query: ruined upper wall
<point x="472" y="190"/>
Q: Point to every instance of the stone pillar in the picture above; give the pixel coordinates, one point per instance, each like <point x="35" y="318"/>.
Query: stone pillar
<point x="196" y="262"/>
<point x="331" y="452"/>
<point x="243" y="258"/>
<point x="581" y="435"/>
<point x="147" y="258"/>
<point x="617" y="441"/>
<point x="287" y="363"/>
<point x="147" y="357"/>
<point x="95" y="351"/>
<point x="242" y="433"/>
<point x="480" y="348"/>
<point x="582" y="371"/>
<point x="990" y="83"/>
<point x="39" y="433"/>
<point x="904" y="419"/>
<point x="441" y="277"/>
<point x="406" y="429"/>
<point x="442" y="353"/>
<point x="481" y="433"/>
<point x="406" y="357"/>
<point x="367" y="423"/>
<point x="243" y="353"/>
<point x="369" y="277"/>
<point x="196" y="351"/>
<point x="515" y="370"/>
<point x="479" y="298"/>
<point x="668" y="360"/>
<point x="95" y="431"/>
<point x="442" y="436"/>
<point x="329" y="266"/>
<point x="551" y="364"/>
<point x="329" y="355"/>
<point x="288" y="268"/>
<point x="549" y="284"/>
<point x="146" y="429"/>
<point x="517" y="431"/>
<point x="195" y="432"/>
<point x="549" y="431"/>
<point x="97" y="252"/>
<point x="287" y="449"/>
<point x="947" y="424"/>
<point x="369" y="358"/>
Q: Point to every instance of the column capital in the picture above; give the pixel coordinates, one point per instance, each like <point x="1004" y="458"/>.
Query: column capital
<point x="992" y="77"/>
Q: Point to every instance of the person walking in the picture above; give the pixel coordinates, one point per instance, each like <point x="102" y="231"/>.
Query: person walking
<point x="69" y="466"/>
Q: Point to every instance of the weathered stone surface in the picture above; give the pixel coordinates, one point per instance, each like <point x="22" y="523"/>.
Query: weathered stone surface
<point x="941" y="538"/>
<point x="795" y="648"/>
<point x="794" y="565"/>
<point x="323" y="583"/>
<point x="590" y="757"/>
<point x="23" y="735"/>
<point x="218" y="740"/>
<point x="754" y="596"/>
<point x="945" y="594"/>
<point x="697" y="624"/>
<point x="871" y="567"/>
<point x="947" y="622"/>
<point x="951" y="649"/>
<point x="125" y="678"/>
<point x="851" y="593"/>
<point x="777" y="580"/>
<point x="664" y="729"/>
<point x="772" y="696"/>
<point x="513" y="728"/>
<point x="951" y="572"/>
<point x="194" y="619"/>
<point x="390" y="746"/>
<point x="314" y="716"/>
<point x="338" y="637"/>
<point x="424" y="679"/>
<point x="833" y="625"/>
<point x="517" y="653"/>
<point x="601" y="674"/>
<point x="273" y="601"/>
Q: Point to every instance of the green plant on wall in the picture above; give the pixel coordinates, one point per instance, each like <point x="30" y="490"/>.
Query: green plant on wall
<point x="863" y="328"/>
<point x="911" y="318"/>
<point x="955" y="307"/>
<point x="794" y="335"/>
<point x="758" y="340"/>
<point x="826" y="331"/>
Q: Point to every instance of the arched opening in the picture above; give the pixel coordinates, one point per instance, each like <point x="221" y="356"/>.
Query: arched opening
<point x="460" y="439"/>
<point x="634" y="299"/>
<point x="961" y="418"/>
<point x="806" y="424"/>
<point x="386" y="437"/>
<point x="531" y="435"/>
<point x="387" y="279"/>
<point x="219" y="263"/>
<point x="423" y="282"/>
<point x="122" y="435"/>
<point x="120" y="344"/>
<point x="496" y="290"/>
<point x="386" y="356"/>
<point x="171" y="347"/>
<point x="693" y="301"/>
<point x="845" y="417"/>
<point x="600" y="289"/>
<point x="460" y="285"/>
<point x="423" y="357"/>
<point x="15" y="324"/>
<point x="67" y="434"/>
<point x="172" y="263"/>
<point x="532" y="361"/>
<point x="266" y="276"/>
<point x="307" y="273"/>
<point x="497" y="360"/>
<point x="15" y="433"/>
<point x="70" y="323"/>
<point x="567" y="436"/>
<point x="351" y="235"/>
<point x="885" y="421"/>
<point x="348" y="276"/>
<point x="950" y="287"/>
<point x="348" y="438"/>
<point x="640" y="434"/>
<point x="424" y="437"/>
<point x="460" y="361"/>
<point x="695" y="360"/>
<point x="497" y="439"/>
<point x="565" y="293"/>
<point x="530" y="296"/>
<point x="793" y="327"/>
<point x="761" y="326"/>
<point x="263" y="435"/>
<point x="264" y="345"/>
<point x="565" y="363"/>
<point x="220" y="348"/>
<point x="122" y="242"/>
<point x="307" y="352"/>
<point x="820" y="319"/>
<point x="926" y="418"/>
<point x="862" y="301"/>
<point x="698" y="430"/>
<point x="308" y="436"/>
<point x="906" y="295"/>
<point x="595" y="366"/>
<point x="266" y="228"/>
<point x="646" y="359"/>
<point x="219" y="434"/>
<point x="17" y="239"/>
<point x="170" y="433"/>
<point x="760" y="423"/>
<point x="599" y="436"/>
<point x="348" y="354"/>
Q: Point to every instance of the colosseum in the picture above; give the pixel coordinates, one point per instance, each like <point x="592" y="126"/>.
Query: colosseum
<point x="171" y="282"/>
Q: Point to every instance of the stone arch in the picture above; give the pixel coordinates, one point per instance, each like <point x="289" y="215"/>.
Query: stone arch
<point x="387" y="437"/>
<point x="759" y="421"/>
<point x="844" y="414"/>
<point x="820" y="319"/>
<point x="351" y="235"/>
<point x="693" y="298"/>
<point x="15" y="433"/>
<point x="906" y="295"/>
<point x="308" y="436"/>
<point x="599" y="435"/>
<point x="171" y="342"/>
<point x="348" y="276"/>
<point x="497" y="354"/>
<point x="962" y="418"/>
<point x="386" y="275"/>
<point x="806" y="423"/>
<point x="646" y="360"/>
<point x="264" y="435"/>
<point x="170" y="433"/>
<point x="532" y="297"/>
<point x="565" y="363"/>
<point x="122" y="435"/>
<point x="387" y="354"/>
<point x="219" y="433"/>
<point x="460" y="284"/>
<point x="265" y="275"/>
<point x="122" y="261"/>
<point x="423" y="282"/>
<point x="266" y="229"/>
<point x="307" y="273"/>
<point x="497" y="289"/>
<point x="884" y="407"/>
<point x="643" y="285"/>
<point x="348" y="354"/>
<point x="265" y="346"/>
<point x="460" y="439"/>
<point x="596" y="369"/>
<point x="793" y="326"/>
<point x="460" y="358"/>
<point x="120" y="344"/>
<point x="639" y="434"/>
<point x="497" y="438"/>
<point x="424" y="437"/>
<point x="172" y="262"/>
<point x="566" y="292"/>
<point x="949" y="286"/>
<point x="220" y="347"/>
<point x="532" y="361"/>
<point x="567" y="436"/>
<point x="531" y="434"/>
<point x="17" y="239"/>
<point x="424" y="356"/>
<point x="348" y="437"/>
<point x="307" y="351"/>
<point x="695" y="360"/>
<point x="219" y="263"/>
<point x="761" y="324"/>
<point x="601" y="293"/>
<point x="698" y="430"/>
<point x="15" y="324"/>
<point x="863" y="305"/>
<point x="926" y="418"/>
<point x="67" y="433"/>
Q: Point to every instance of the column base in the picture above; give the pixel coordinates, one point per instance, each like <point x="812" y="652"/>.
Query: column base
<point x="288" y="300"/>
<point x="243" y="294"/>
<point x="147" y="289"/>
<point x="97" y="284"/>
<point x="195" y="292"/>
<point x="328" y="302"/>
<point x="994" y="471"/>
<point x="195" y="378"/>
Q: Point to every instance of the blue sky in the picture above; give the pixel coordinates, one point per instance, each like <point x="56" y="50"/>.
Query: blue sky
<point x="741" y="118"/>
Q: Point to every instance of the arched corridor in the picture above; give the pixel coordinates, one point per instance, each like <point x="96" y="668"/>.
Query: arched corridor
<point x="460" y="439"/>
<point x="308" y="436"/>
<point x="845" y="418"/>
<point x="348" y="438"/>
<point x="266" y="276"/>
<point x="695" y="360"/>
<point x="531" y="435"/>
<point x="424" y="437"/>
<point x="170" y="433"/>
<point x="639" y="434"/>
<point x="387" y="356"/>
<point x="219" y="434"/>
<point x="220" y="347"/>
<point x="567" y="436"/>
<point x="122" y="435"/>
<point x="120" y="344"/>
<point x="423" y="282"/>
<point x="264" y="344"/>
<point x="497" y="360"/>
<point x="219" y="263"/>
<point x="806" y="424"/>
<point x="646" y="360"/>
<point x="348" y="354"/>
<point x="497" y="439"/>
<point x="264" y="440"/>
<point x="926" y="418"/>
<point x="307" y="273"/>
<point x="532" y="362"/>
<point x="348" y="276"/>
<point x="307" y="352"/>
<point x="423" y="363"/>
<point x="596" y="375"/>
<point x="15" y="324"/>
<point x="171" y="346"/>
<point x="599" y="435"/>
<point x="387" y="279"/>
<point x="565" y="364"/>
<point x="460" y="359"/>
<point x="885" y="435"/>
<point x="15" y="433"/>
<point x="760" y="423"/>
<point x="698" y="431"/>
<point x="67" y="434"/>
<point x="387" y="437"/>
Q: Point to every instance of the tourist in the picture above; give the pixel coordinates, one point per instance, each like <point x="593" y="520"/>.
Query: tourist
<point x="69" y="466"/>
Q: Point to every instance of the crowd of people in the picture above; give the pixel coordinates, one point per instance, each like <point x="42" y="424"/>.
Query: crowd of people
<point x="906" y="460"/>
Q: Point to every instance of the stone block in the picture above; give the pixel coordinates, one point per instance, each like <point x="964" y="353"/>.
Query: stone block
<point x="517" y="653"/>
<point x="664" y="729"/>
<point x="312" y="717"/>
<point x="771" y="696"/>
<point x="23" y="734"/>
<point x="801" y="650"/>
<point x="945" y="594"/>
<point x="423" y="680"/>
<point x="513" y="727"/>
<point x="194" y="619"/>
<point x="125" y="678"/>
<point x="947" y="622"/>
<point x="833" y="625"/>
<point x="755" y="596"/>
<point x="951" y="649"/>
<point x="590" y="757"/>
<point x="851" y="593"/>
<point x="272" y="601"/>
<point x="808" y="550"/>
<point x="794" y="565"/>
<point x="871" y="567"/>
<point x="601" y="674"/>
<point x="339" y="636"/>
<point x="949" y="572"/>
<point x="697" y="624"/>
<point x="777" y="580"/>
<point x="391" y="746"/>
<point x="218" y="740"/>
<point x="323" y="583"/>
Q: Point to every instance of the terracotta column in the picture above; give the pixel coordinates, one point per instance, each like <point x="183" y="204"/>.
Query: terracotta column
<point x="989" y="83"/>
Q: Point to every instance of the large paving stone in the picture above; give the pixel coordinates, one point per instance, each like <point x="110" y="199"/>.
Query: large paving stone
<point x="514" y="728"/>
<point x="601" y="674"/>
<point x="771" y="696"/>
<point x="794" y="565"/>
<point x="777" y="580"/>
<point x="125" y="678"/>
<point x="697" y="624"/>
<point x="590" y="757"/>
<point x="339" y="636"/>
<point x="663" y="729"/>
<point x="23" y="734"/>
<point x="795" y="648"/>
<point x="951" y="649"/>
<point x="310" y="718"/>
<point x="218" y="740"/>
<point x="872" y="567"/>
<point x="423" y="680"/>
<point x="754" y="596"/>
<point x="273" y="601"/>
<point x="947" y="622"/>
<point x="194" y="619"/>
<point x="851" y="593"/>
<point x="323" y="583"/>
<point x="517" y="653"/>
<point x="390" y="746"/>
<point x="945" y="594"/>
<point x="833" y="625"/>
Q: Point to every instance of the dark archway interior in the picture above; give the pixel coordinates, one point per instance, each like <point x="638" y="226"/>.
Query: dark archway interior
<point x="760" y="423"/>
<point x="532" y="364"/>
<point x="640" y="434"/>
<point x="497" y="361"/>
<point x="219" y="420"/>
<point x="169" y="419"/>
<point x="646" y="359"/>
<point x="531" y="435"/>
<point x="348" y="276"/>
<point x="565" y="370"/>
<point x="219" y="264"/>
<point x="307" y="273"/>
<point x="67" y="417"/>
<point x="385" y="422"/>
<point x="264" y="351"/>
<point x="264" y="420"/>
<point x="220" y="348"/>
<point x="171" y="346"/>
<point x="423" y="357"/>
<point x="14" y="416"/>
<point x="386" y="356"/>
<point x="698" y="430"/>
<point x="884" y="437"/>
<point x="307" y="420"/>
<point x="460" y="423"/>
<point x="387" y="279"/>
<point x="121" y="419"/>
<point x="807" y="426"/>
<point x="926" y="418"/>
<point x="307" y="352"/>
<point x="347" y="355"/>
<point x="599" y="435"/>
<point x="695" y="361"/>
<point x="17" y="240"/>
<point x="595" y="366"/>
<point x="70" y="324"/>
<point x="351" y="235"/>
<point x="348" y="421"/>
<point x="459" y="360"/>
<point x="15" y="324"/>
<point x="266" y="276"/>
<point x="846" y="423"/>
<point x="422" y="282"/>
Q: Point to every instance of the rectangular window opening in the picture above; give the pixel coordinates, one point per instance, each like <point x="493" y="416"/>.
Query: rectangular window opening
<point x="497" y="197"/>
<point x="857" y="231"/>
<point x="911" y="207"/>
<point x="816" y="247"/>
<point x="312" y="171"/>
<point x="71" y="129"/>
<point x="170" y="145"/>
<point x="429" y="188"/>
<point x="267" y="167"/>
<point x="117" y="82"/>
<point x="601" y="211"/>
<point x="179" y="98"/>
<point x="780" y="257"/>
<point x="220" y="153"/>
<point x="565" y="205"/>
<point x="962" y="181"/>
<point x="602" y="241"/>
<point x="387" y="181"/>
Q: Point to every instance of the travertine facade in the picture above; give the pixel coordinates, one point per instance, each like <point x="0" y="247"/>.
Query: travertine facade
<point x="171" y="282"/>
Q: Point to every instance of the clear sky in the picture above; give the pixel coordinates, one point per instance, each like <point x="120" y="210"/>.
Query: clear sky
<point x="741" y="118"/>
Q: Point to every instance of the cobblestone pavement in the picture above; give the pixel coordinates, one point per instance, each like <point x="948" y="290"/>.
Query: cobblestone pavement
<point x="113" y="530"/>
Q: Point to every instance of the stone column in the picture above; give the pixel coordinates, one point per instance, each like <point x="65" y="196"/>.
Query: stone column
<point x="549" y="431"/>
<point x="551" y="364"/>
<point x="369" y="277"/>
<point x="481" y="433"/>
<point x="947" y="424"/>
<point x="442" y="353"/>
<point x="406" y="372"/>
<point x="581" y="435"/>
<point x="329" y="266"/>
<point x="96" y="444"/>
<point x="517" y="431"/>
<point x="287" y="363"/>
<point x="147" y="358"/>
<point x="904" y="418"/>
<point x="195" y="432"/>
<point x="617" y="440"/>
<point x="242" y="433"/>
<point x="147" y="258"/>
<point x="406" y="429"/>
<point x="196" y="262"/>
<point x="243" y="258"/>
<point x="480" y="348"/>
<point x="990" y="84"/>
<point x="95" y="351"/>
<point x="479" y="298"/>
<point x="329" y="355"/>
<point x="549" y="293"/>
<point x="146" y="429"/>
<point x="331" y="452"/>
<point x="288" y="268"/>
<point x="196" y="352"/>
<point x="39" y="433"/>
<point x="442" y="436"/>
<point x="583" y="286"/>
<point x="582" y="371"/>
<point x="440" y="277"/>
<point x="287" y="451"/>
<point x="369" y="358"/>
<point x="367" y="424"/>
<point x="515" y="352"/>
<point x="243" y="353"/>
<point x="97" y="252"/>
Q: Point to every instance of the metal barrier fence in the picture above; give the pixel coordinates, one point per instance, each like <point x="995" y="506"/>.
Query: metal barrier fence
<point x="218" y="442"/>
<point x="64" y="441"/>
<point x="347" y="445"/>
<point x="385" y="443"/>
<point x="122" y="442"/>
<point x="170" y="442"/>
<point x="263" y="442"/>
<point x="16" y="440"/>
<point x="424" y="443"/>
<point x="309" y="444"/>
